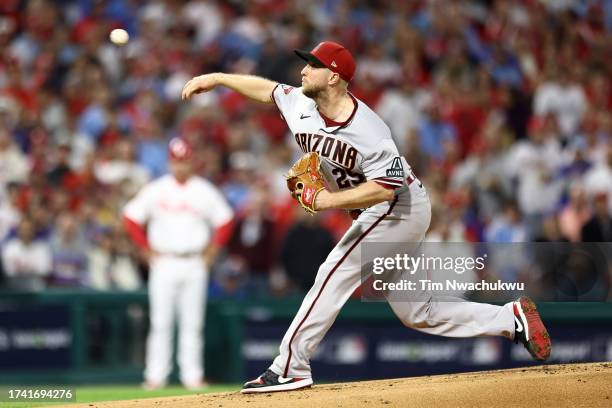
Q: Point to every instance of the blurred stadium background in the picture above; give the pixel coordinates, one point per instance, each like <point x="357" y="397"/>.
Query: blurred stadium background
<point x="502" y="107"/>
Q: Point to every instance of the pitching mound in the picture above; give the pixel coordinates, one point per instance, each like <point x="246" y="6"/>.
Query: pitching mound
<point x="575" y="385"/>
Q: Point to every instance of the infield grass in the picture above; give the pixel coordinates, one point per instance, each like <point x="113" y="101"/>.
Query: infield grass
<point x="123" y="392"/>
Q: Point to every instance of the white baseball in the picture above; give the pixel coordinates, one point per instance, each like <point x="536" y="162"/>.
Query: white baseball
<point x="119" y="36"/>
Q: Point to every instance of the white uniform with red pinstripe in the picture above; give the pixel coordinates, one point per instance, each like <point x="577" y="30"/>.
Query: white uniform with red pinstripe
<point x="181" y="218"/>
<point x="360" y="150"/>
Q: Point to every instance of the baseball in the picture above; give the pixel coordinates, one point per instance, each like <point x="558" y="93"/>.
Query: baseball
<point x="119" y="36"/>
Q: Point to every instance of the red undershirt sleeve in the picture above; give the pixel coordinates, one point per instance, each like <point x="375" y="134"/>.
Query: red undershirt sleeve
<point x="136" y="232"/>
<point x="223" y="233"/>
<point x="387" y="186"/>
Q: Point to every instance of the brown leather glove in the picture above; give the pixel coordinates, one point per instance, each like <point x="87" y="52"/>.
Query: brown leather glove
<point x="305" y="181"/>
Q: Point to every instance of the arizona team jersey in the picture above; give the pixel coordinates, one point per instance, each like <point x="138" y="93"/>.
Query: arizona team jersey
<point x="359" y="150"/>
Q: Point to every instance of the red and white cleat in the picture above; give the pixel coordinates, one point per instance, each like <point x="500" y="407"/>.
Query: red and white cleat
<point x="530" y="330"/>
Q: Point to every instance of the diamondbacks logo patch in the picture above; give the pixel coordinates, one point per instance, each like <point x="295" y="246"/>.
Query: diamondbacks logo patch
<point x="287" y="89"/>
<point x="396" y="170"/>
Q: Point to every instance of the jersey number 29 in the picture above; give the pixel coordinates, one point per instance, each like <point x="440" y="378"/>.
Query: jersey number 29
<point x="346" y="178"/>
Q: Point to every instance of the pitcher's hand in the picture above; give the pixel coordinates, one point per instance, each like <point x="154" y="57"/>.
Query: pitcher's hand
<point x="199" y="84"/>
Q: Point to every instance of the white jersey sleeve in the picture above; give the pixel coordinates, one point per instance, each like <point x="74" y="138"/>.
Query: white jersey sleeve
<point x="138" y="209"/>
<point x="286" y="98"/>
<point x="384" y="165"/>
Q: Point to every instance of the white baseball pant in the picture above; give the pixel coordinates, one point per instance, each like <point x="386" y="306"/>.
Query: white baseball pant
<point x="337" y="278"/>
<point x="177" y="288"/>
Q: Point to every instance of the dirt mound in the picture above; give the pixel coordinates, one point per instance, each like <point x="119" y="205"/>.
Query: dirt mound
<point x="575" y="385"/>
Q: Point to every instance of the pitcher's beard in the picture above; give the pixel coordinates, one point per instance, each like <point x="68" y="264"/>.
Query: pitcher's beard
<point x="312" y="92"/>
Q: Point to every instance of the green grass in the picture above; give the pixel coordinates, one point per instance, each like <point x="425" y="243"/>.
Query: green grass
<point x="123" y="392"/>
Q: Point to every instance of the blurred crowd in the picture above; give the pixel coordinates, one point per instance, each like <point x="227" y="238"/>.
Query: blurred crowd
<point x="502" y="107"/>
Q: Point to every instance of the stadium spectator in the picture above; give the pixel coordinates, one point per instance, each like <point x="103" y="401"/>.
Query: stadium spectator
<point x="507" y="227"/>
<point x="535" y="163"/>
<point x="575" y="214"/>
<point x="96" y="116"/>
<point x="110" y="262"/>
<point x="550" y="230"/>
<point x="400" y="108"/>
<point x="563" y="97"/>
<point x="69" y="253"/>
<point x="13" y="163"/>
<point x="599" y="227"/>
<point x="593" y="138"/>
<point x="121" y="167"/>
<point x="484" y="171"/>
<point x="230" y="279"/>
<point x="599" y="178"/>
<point x="10" y="214"/>
<point x="434" y="132"/>
<point x="26" y="260"/>
<point x="377" y="66"/>
<point x="252" y="244"/>
<point x="59" y="169"/>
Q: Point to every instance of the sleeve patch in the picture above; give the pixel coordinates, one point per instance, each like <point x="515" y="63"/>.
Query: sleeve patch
<point x="396" y="169"/>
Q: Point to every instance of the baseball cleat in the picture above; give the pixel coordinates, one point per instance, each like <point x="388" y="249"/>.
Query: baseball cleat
<point x="530" y="330"/>
<point x="271" y="382"/>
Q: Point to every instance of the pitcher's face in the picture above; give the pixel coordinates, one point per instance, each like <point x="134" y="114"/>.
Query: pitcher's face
<point x="314" y="80"/>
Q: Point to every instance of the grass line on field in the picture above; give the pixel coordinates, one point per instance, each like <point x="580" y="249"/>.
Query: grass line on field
<point x="123" y="392"/>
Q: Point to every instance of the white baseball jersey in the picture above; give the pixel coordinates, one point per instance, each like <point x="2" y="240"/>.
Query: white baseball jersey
<point x="180" y="217"/>
<point x="360" y="150"/>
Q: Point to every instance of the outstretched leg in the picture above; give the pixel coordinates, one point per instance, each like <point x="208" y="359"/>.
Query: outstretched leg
<point x="336" y="280"/>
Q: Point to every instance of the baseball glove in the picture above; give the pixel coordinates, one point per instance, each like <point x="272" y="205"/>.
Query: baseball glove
<point x="305" y="181"/>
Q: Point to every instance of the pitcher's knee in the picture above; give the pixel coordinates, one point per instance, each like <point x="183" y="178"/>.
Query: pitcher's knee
<point x="417" y="316"/>
<point x="324" y="270"/>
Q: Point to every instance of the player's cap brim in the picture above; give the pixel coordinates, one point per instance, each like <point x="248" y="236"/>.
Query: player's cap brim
<point x="309" y="58"/>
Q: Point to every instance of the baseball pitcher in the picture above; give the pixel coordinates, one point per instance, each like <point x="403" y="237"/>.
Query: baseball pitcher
<point x="351" y="149"/>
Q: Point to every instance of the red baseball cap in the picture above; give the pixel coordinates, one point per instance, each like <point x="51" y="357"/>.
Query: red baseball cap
<point x="331" y="55"/>
<point x="179" y="149"/>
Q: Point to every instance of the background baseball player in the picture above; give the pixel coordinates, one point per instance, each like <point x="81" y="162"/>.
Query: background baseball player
<point x="363" y="170"/>
<point x="187" y="220"/>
